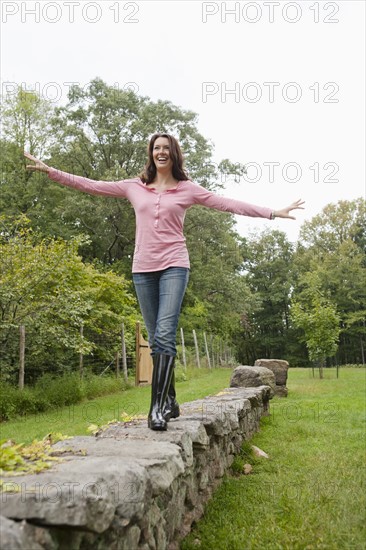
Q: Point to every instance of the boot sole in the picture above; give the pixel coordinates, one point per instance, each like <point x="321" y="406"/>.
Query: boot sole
<point x="173" y="414"/>
<point x="157" y="427"/>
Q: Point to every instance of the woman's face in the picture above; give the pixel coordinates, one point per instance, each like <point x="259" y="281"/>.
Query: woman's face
<point x="161" y="154"/>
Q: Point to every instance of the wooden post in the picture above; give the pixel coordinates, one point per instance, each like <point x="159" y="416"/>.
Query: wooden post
<point x="124" y="356"/>
<point x="212" y="351"/>
<point x="197" y="350"/>
<point x="206" y="349"/>
<point x="183" y="349"/>
<point x="21" y="356"/>
<point x="117" y="364"/>
<point x="81" y="357"/>
<point x="144" y="363"/>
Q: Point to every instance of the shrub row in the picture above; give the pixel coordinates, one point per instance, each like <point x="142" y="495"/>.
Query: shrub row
<point x="51" y="392"/>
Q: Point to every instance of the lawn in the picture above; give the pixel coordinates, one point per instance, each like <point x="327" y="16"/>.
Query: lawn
<point x="75" y="419"/>
<point x="310" y="493"/>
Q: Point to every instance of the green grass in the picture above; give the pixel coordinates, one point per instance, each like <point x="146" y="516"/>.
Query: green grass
<point x="310" y="494"/>
<point x="75" y="419"/>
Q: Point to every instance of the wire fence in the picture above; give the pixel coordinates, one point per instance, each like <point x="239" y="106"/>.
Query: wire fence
<point x="26" y="355"/>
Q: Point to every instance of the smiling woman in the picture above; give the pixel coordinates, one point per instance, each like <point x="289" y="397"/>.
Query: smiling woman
<point x="165" y="155"/>
<point x="160" y="198"/>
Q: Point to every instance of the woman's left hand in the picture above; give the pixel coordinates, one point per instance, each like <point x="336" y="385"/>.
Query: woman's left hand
<point x="285" y="212"/>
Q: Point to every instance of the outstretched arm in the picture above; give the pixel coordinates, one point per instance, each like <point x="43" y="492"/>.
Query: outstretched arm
<point x="107" y="188"/>
<point x="206" y="198"/>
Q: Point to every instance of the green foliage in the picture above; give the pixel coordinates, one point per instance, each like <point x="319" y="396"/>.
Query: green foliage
<point x="8" y="398"/>
<point x="95" y="386"/>
<point x="19" y="459"/>
<point x="265" y="330"/>
<point x="318" y="318"/>
<point x="332" y="246"/>
<point x="60" y="391"/>
<point x="45" y="286"/>
<point x="50" y="393"/>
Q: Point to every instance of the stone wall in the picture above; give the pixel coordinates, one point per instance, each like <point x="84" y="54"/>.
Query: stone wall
<point x="129" y="487"/>
<point x="279" y="367"/>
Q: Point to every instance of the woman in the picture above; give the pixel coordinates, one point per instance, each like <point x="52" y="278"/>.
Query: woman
<point x="160" y="198"/>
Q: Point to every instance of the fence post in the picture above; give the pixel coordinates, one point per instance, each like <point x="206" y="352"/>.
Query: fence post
<point x="21" y="356"/>
<point x="197" y="350"/>
<point x="124" y="357"/>
<point x="81" y="357"/>
<point x="206" y="348"/>
<point x="117" y="364"/>
<point x="212" y="351"/>
<point x="183" y="349"/>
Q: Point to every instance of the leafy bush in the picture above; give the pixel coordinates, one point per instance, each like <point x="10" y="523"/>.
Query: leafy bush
<point x="51" y="392"/>
<point x="7" y="401"/>
<point x="15" y="402"/>
<point x="180" y="373"/>
<point x="95" y="386"/>
<point x="60" y="391"/>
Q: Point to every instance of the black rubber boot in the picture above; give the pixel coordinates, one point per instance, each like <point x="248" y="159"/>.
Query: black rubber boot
<point x="161" y="378"/>
<point x="171" y="408"/>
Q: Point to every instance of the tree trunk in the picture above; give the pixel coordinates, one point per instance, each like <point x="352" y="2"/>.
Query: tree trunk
<point x="321" y="364"/>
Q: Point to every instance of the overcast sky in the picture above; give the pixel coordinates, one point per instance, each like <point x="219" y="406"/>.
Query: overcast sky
<point x="279" y="86"/>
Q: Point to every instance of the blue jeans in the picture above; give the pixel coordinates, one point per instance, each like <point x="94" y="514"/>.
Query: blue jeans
<point x="160" y="295"/>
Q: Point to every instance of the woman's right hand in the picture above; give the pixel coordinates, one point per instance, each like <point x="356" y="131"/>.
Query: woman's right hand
<point x="38" y="166"/>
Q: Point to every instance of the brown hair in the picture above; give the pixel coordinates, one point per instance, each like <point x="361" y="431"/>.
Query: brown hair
<point x="149" y="173"/>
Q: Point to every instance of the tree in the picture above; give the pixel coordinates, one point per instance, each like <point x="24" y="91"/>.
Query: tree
<point x="26" y="125"/>
<point x="45" y="286"/>
<point x="266" y="330"/>
<point x="332" y="245"/>
<point x="317" y="317"/>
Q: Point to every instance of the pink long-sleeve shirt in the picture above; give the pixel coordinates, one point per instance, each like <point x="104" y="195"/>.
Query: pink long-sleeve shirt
<point x="159" y="242"/>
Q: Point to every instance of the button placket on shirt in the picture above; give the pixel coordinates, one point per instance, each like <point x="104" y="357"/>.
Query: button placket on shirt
<point x="157" y="207"/>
